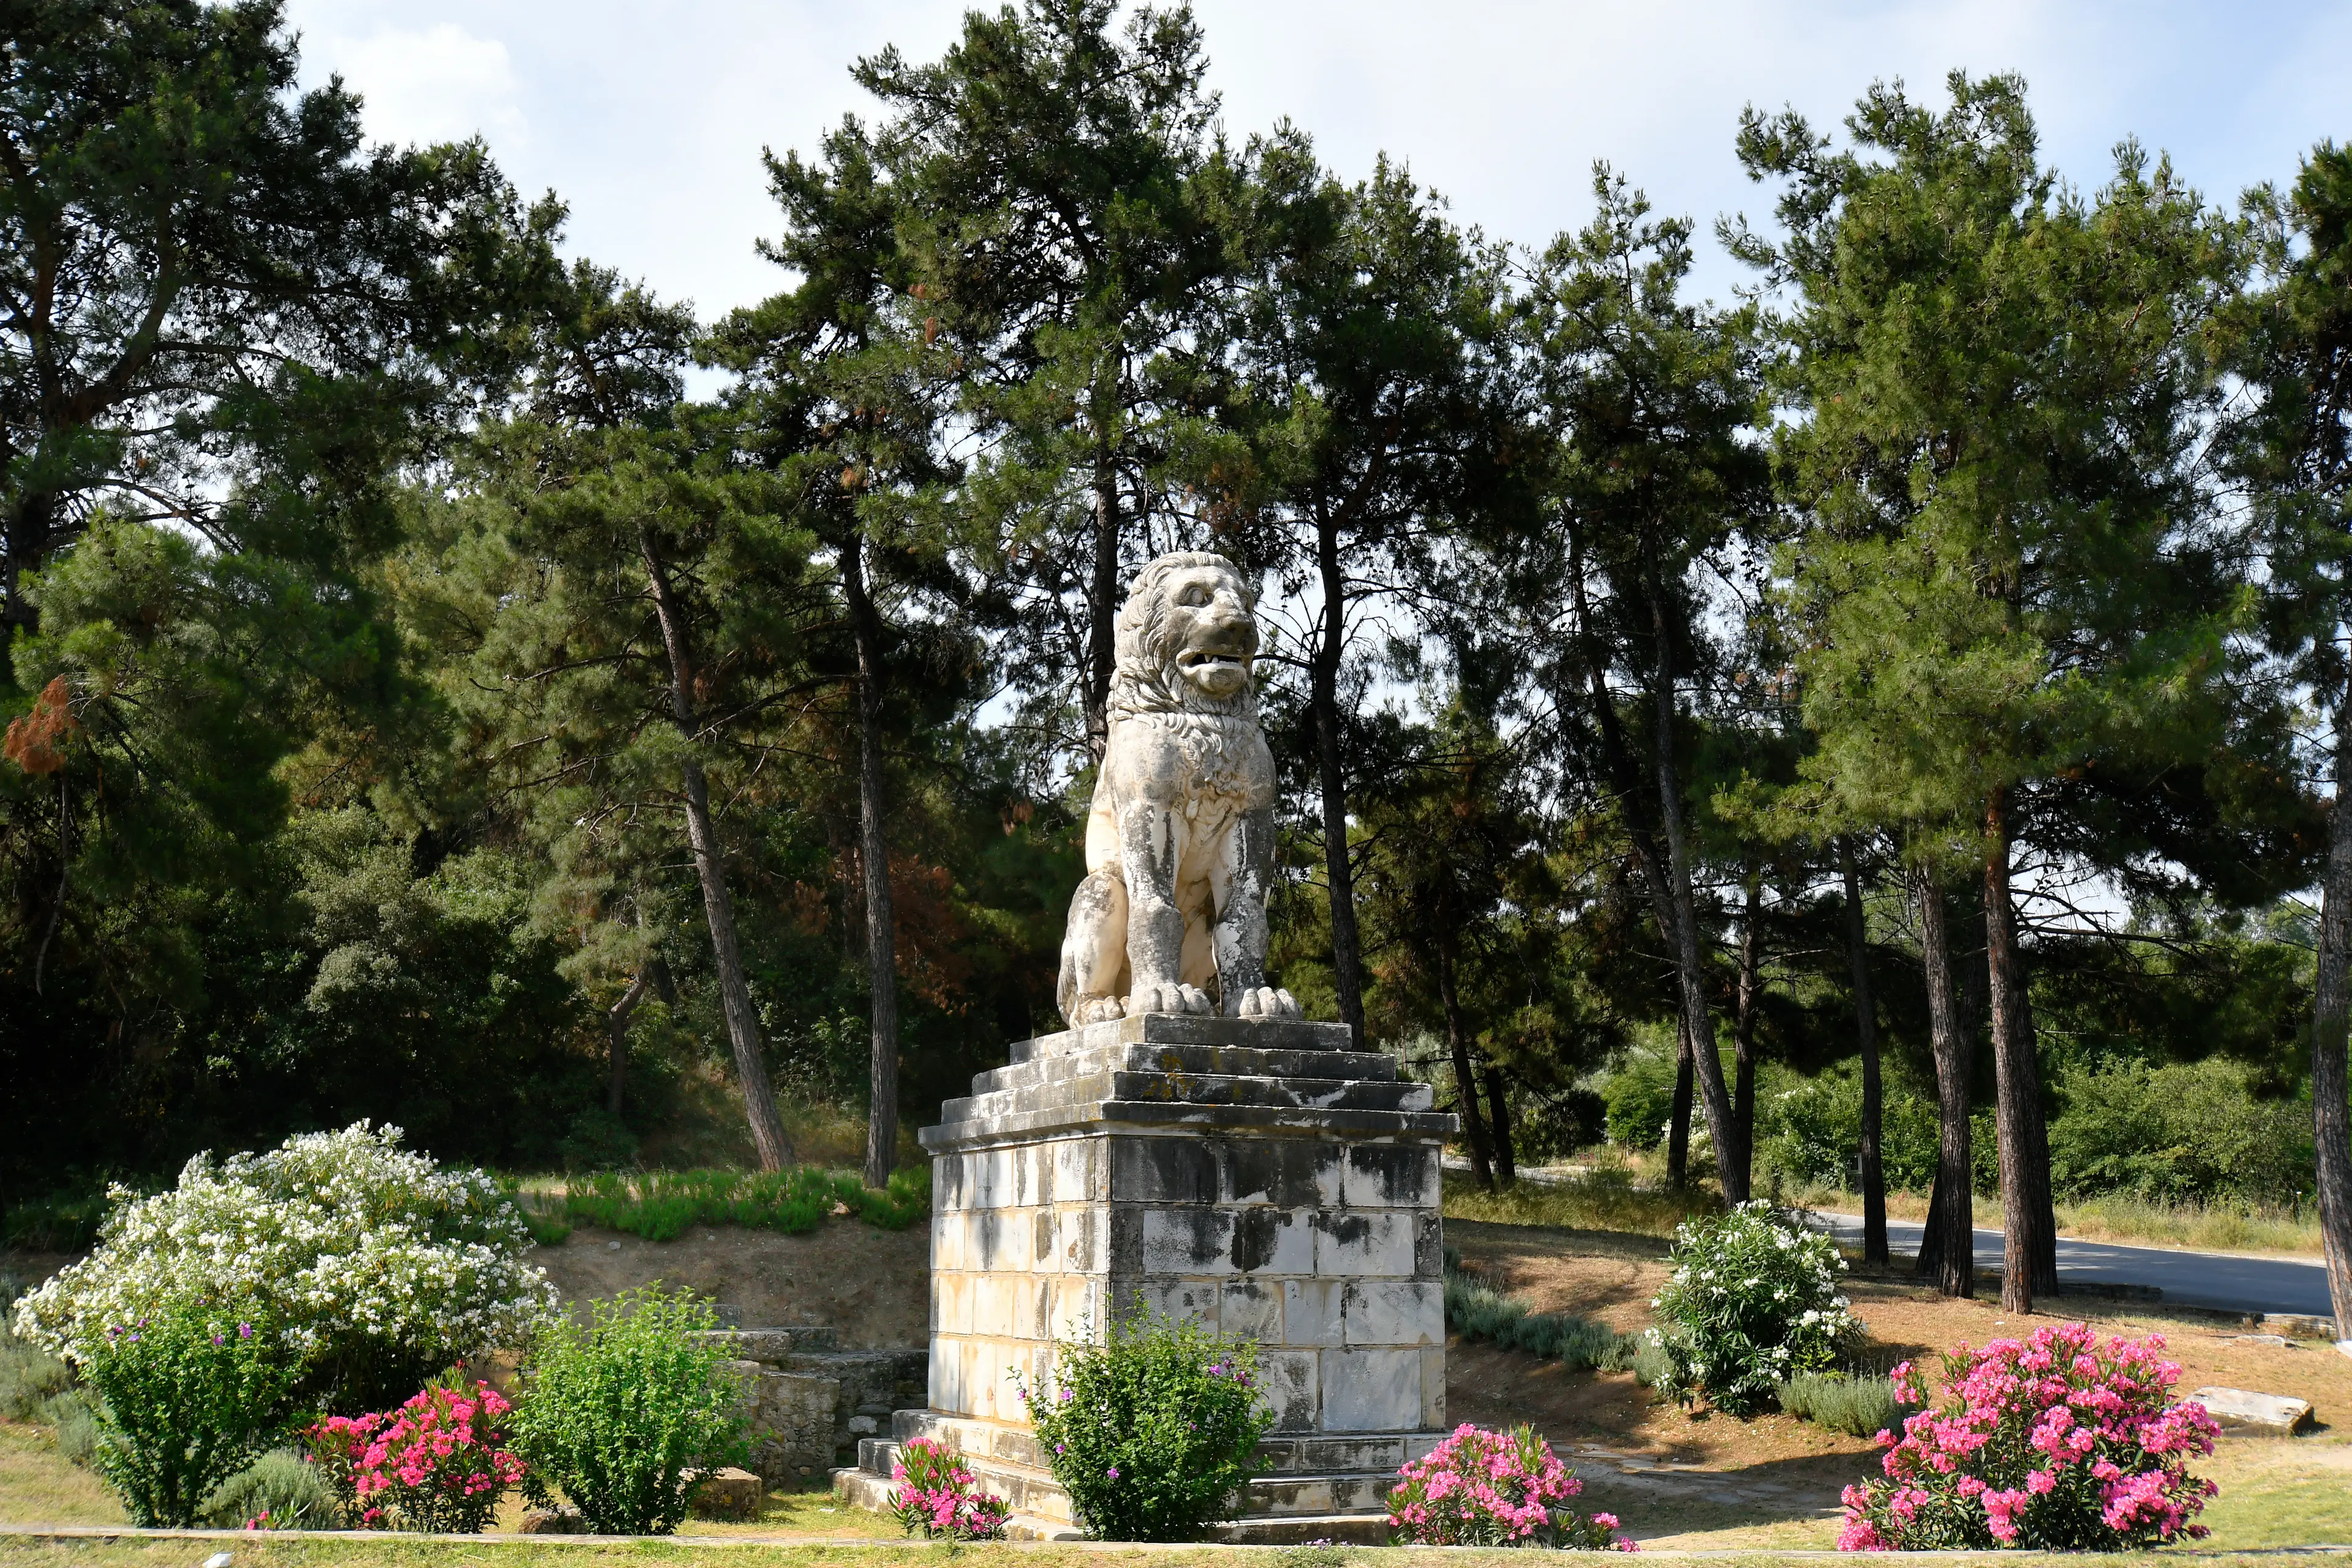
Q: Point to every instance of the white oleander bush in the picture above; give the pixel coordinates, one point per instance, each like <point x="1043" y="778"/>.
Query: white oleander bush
<point x="1752" y="1301"/>
<point x="377" y="1266"/>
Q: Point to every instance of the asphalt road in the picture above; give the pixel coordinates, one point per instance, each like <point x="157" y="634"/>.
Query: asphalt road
<point x="2225" y="1281"/>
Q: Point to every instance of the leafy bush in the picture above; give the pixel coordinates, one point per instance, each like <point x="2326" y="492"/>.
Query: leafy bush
<point x="439" y="1463"/>
<point x="662" y="1205"/>
<point x="281" y="1490"/>
<point x="1153" y="1431"/>
<point x="59" y="1222"/>
<point x="2183" y="1133"/>
<point x="1478" y="1311"/>
<point x="1859" y="1403"/>
<point x="1751" y="1301"/>
<point x="939" y="1496"/>
<point x="1808" y="1130"/>
<point x="1639" y="1098"/>
<point x="187" y="1398"/>
<point x="2055" y="1443"/>
<point x="29" y="1376"/>
<point x="379" y="1266"/>
<point x="1494" y="1488"/>
<point x="618" y="1413"/>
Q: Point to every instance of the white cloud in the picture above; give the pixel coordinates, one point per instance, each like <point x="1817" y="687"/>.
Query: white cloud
<point x="439" y="83"/>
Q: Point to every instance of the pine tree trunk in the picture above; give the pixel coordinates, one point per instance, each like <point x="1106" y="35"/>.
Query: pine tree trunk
<point x="1338" y="870"/>
<point x="1679" y="1119"/>
<point x="768" y="1135"/>
<point x="2028" y="1231"/>
<point x="874" y="854"/>
<point x="1947" y="1249"/>
<point x="1506" y="1163"/>
<point x="1689" y="962"/>
<point x="1743" y="1031"/>
<point x="1102" y="599"/>
<point x="1465" y="1081"/>
<point x="2331" y="1013"/>
<point x="1866" y="1023"/>
<point x="617" y="1036"/>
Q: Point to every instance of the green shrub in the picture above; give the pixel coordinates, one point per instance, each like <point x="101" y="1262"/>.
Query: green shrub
<point x="1750" y="1302"/>
<point x="1153" y="1431"/>
<point x="75" y="1424"/>
<point x="29" y="1376"/>
<point x="2184" y="1133"/>
<point x="1809" y="1130"/>
<point x="662" y="1205"/>
<point x="187" y="1397"/>
<point x="1478" y="1311"/>
<point x="1859" y="1403"/>
<point x="616" y="1412"/>
<point x="281" y="1491"/>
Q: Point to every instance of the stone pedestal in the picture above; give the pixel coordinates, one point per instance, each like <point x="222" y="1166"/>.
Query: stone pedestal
<point x="1257" y="1175"/>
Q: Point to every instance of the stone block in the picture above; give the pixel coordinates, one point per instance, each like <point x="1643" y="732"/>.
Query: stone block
<point x="1433" y="1388"/>
<point x="1292" y="1382"/>
<point x="1282" y="1172"/>
<point x="1249" y="1310"/>
<point x="1429" y="1245"/>
<point x="1272" y="1241"/>
<point x="947" y="1240"/>
<point x="1314" y="1312"/>
<point x="1077" y="1310"/>
<point x="1123" y="1246"/>
<point x="1173" y="1170"/>
<point x="1043" y="1256"/>
<point x="995" y="1305"/>
<point x="1370" y="1390"/>
<point x="1395" y="1312"/>
<point x="551" y="1521"/>
<point x="1390" y="1176"/>
<point x="2265" y="1414"/>
<point x="1187" y="1241"/>
<point x="729" y="1493"/>
<point x="1135" y="1300"/>
<point x="1082" y="1238"/>
<point x="952" y="1303"/>
<point x="1078" y="1168"/>
<point x="1375" y="1244"/>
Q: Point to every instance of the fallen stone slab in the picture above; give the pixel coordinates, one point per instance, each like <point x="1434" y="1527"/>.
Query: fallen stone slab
<point x="2296" y="1325"/>
<point x="551" y="1521"/>
<point x="729" y="1493"/>
<point x="2267" y="1415"/>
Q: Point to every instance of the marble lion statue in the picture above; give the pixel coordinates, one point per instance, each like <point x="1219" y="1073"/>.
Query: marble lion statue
<point x="1180" y="839"/>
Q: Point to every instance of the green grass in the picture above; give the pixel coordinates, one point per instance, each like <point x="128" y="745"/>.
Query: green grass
<point x="662" y="1205"/>
<point x="1603" y="1198"/>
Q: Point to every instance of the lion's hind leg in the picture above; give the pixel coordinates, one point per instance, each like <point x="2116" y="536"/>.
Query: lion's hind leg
<point x="1093" y="981"/>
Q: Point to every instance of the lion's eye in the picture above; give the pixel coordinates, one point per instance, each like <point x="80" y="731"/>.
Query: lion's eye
<point x="1193" y="596"/>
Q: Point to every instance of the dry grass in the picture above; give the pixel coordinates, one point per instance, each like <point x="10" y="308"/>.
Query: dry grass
<point x="37" y="1486"/>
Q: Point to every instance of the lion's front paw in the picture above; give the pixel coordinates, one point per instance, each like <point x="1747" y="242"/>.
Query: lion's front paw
<point x="1268" y="1002"/>
<point x="1168" y="999"/>
<point x="1098" y="1010"/>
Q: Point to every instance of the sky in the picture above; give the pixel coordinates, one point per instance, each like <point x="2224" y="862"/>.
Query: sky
<point x="648" y="118"/>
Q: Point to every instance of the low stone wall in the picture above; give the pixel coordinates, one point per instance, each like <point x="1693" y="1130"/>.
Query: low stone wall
<point x="812" y="1401"/>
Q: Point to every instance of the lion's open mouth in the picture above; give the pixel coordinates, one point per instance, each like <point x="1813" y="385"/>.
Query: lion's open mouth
<point x="1194" y="660"/>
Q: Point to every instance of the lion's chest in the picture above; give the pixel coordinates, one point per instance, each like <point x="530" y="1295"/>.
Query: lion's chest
<point x="1205" y="769"/>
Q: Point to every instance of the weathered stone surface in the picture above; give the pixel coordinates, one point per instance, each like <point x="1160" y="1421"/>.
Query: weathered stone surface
<point x="729" y="1493"/>
<point x="2243" y="1410"/>
<point x="2297" y="1325"/>
<point x="551" y="1521"/>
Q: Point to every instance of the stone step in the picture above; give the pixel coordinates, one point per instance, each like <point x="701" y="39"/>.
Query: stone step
<point x="879" y="1455"/>
<point x="775" y="1347"/>
<point x="1378" y="1454"/>
<point x="1033" y="1126"/>
<point x="1327" y="1094"/>
<point x="1269" y="1500"/>
<point x="1241" y="1061"/>
<point x="1190" y="1029"/>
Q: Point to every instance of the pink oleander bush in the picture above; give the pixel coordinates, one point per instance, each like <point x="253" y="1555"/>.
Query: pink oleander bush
<point x="2057" y="1443"/>
<point x="439" y="1463"/>
<point x="1494" y="1488"/>
<point x="939" y="1496"/>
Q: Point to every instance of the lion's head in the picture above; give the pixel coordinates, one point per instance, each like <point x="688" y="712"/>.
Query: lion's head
<point x="1187" y="639"/>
